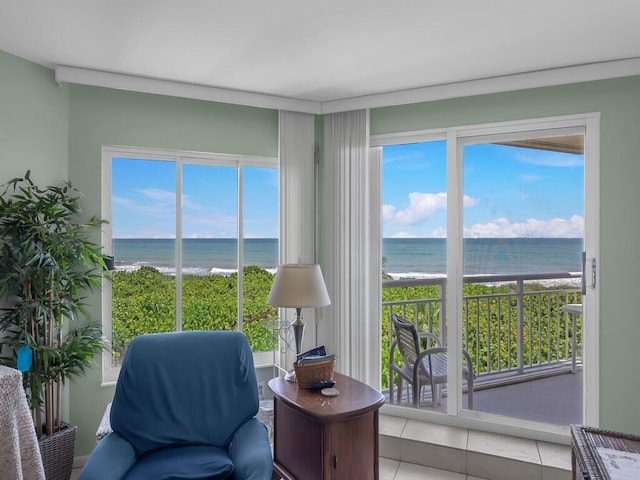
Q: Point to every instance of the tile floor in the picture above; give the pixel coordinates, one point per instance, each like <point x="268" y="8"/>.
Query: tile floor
<point x="452" y="453"/>
<point x="396" y="470"/>
<point x="468" y="452"/>
<point x="393" y="470"/>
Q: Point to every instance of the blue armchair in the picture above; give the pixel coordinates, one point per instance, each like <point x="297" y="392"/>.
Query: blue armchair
<point x="184" y="408"/>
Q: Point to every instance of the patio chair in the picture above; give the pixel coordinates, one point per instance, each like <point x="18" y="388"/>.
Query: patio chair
<point x="423" y="367"/>
<point x="184" y="408"/>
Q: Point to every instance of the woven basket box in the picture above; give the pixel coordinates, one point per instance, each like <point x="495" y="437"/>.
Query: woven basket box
<point x="308" y="374"/>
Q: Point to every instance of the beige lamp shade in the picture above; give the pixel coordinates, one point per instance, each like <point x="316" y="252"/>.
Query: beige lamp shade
<point x="299" y="286"/>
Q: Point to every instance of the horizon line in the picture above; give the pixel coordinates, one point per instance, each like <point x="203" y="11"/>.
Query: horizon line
<point x="384" y="238"/>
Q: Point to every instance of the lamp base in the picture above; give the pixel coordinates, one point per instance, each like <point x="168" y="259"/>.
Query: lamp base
<point x="291" y="376"/>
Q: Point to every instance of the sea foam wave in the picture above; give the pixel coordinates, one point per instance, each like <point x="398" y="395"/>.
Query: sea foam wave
<point x="400" y="276"/>
<point x="171" y="271"/>
<point x="224" y="272"/>
<point x="552" y="282"/>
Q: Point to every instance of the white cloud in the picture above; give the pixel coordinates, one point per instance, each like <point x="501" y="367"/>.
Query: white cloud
<point x="211" y="235"/>
<point x="468" y="201"/>
<point x="421" y="207"/>
<point x="388" y="212"/>
<point x="122" y="201"/>
<point x="168" y="197"/>
<point x="404" y="235"/>
<point x="549" y="159"/>
<point x="532" y="227"/>
<point x="158" y="194"/>
<point x="531" y="178"/>
<point x="439" y="232"/>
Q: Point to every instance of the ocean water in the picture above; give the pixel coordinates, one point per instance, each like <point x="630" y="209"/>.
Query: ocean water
<point x="420" y="257"/>
<point x="200" y="256"/>
<point x="402" y="257"/>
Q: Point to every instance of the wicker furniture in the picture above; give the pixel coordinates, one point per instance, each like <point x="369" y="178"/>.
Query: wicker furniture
<point x="592" y="450"/>
<point x="57" y="452"/>
<point x="326" y="438"/>
<point x="308" y="374"/>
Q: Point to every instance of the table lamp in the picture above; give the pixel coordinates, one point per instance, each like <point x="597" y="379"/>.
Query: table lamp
<point x="298" y="286"/>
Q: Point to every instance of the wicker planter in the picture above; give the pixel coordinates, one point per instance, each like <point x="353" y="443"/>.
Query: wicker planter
<point x="57" y="452"/>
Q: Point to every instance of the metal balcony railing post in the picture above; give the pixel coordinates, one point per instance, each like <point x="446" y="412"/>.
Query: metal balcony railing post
<point x="443" y="307"/>
<point x="484" y="336"/>
<point x="520" y="324"/>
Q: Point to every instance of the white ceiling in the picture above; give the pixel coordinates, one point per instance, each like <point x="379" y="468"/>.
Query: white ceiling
<point x="320" y="50"/>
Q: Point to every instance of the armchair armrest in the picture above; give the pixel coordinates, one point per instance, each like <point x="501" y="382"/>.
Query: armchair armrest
<point x="110" y="460"/>
<point x="250" y="452"/>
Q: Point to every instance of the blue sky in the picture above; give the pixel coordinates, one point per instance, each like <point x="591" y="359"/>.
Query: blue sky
<point x="143" y="198"/>
<point x="508" y="192"/>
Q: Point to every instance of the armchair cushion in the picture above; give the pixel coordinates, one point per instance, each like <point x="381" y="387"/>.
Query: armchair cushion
<point x="183" y="463"/>
<point x="185" y="388"/>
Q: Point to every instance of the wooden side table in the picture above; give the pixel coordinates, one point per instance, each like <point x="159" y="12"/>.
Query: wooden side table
<point x="326" y="438"/>
<point x="587" y="462"/>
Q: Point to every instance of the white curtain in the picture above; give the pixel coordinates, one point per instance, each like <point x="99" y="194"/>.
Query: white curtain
<point x="298" y="203"/>
<point x="351" y="246"/>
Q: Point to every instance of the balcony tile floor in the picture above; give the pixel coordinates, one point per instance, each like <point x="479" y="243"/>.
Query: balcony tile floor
<point x="415" y="449"/>
<point x="556" y="399"/>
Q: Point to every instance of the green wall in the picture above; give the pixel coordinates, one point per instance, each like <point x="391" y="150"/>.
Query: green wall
<point x="99" y="116"/>
<point x="33" y="122"/>
<point x="618" y="101"/>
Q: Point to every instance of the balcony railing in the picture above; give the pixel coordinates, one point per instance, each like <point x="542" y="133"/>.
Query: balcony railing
<point x="512" y="325"/>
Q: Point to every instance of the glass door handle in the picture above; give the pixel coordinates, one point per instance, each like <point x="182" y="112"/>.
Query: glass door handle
<point x="584" y="273"/>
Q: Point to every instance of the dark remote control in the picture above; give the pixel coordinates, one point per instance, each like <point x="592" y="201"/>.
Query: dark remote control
<point x="316" y="387"/>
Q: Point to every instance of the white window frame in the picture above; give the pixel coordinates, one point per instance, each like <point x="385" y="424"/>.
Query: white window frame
<point x="180" y="158"/>
<point x="456" y="136"/>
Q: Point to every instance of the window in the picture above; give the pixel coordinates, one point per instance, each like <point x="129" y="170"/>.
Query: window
<point x="181" y="227"/>
<point x="485" y="253"/>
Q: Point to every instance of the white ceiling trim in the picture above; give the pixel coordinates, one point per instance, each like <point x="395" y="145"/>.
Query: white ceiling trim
<point x="97" y="78"/>
<point x="505" y="83"/>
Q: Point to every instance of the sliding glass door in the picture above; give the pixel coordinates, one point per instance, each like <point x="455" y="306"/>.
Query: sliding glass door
<point x="486" y="255"/>
<point x="523" y="232"/>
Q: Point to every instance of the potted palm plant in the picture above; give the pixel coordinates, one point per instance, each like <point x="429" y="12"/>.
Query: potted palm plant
<point x="47" y="265"/>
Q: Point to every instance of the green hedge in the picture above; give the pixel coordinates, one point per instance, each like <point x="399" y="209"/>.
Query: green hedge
<point x="144" y="302"/>
<point x="546" y="334"/>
